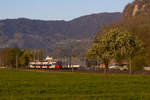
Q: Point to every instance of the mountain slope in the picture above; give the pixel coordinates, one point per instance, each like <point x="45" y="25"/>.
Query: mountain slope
<point x="26" y="33"/>
<point x="136" y="19"/>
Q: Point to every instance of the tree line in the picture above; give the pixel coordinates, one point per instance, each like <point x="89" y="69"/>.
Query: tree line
<point x="16" y="58"/>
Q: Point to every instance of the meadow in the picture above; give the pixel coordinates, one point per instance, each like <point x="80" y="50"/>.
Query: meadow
<point x="25" y="85"/>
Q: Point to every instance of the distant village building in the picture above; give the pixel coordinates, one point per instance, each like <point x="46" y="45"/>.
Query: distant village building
<point x="49" y="58"/>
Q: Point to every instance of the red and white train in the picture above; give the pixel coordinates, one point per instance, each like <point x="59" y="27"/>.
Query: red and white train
<point x="44" y="65"/>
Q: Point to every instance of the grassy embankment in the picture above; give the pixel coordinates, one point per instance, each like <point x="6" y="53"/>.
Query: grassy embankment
<point x="22" y="85"/>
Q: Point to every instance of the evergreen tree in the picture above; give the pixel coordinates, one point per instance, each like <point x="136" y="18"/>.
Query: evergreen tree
<point x="25" y="58"/>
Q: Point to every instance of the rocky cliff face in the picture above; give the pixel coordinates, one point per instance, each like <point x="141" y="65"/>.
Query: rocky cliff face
<point x="137" y="7"/>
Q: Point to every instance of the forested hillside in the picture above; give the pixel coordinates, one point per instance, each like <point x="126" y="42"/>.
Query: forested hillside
<point x="27" y="33"/>
<point x="56" y="38"/>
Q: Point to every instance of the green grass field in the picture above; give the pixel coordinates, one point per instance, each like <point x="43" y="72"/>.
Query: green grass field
<point x="23" y="85"/>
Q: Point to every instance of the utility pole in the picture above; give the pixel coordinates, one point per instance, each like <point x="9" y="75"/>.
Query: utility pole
<point x="16" y="61"/>
<point x="34" y="53"/>
<point x="71" y="58"/>
<point x="69" y="61"/>
<point x="38" y="55"/>
<point x="0" y="61"/>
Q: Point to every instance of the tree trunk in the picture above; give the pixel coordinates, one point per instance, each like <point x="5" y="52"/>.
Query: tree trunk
<point x="105" y="71"/>
<point x="130" y="65"/>
<point x="95" y="68"/>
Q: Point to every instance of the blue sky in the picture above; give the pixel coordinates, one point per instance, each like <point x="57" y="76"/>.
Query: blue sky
<point x="57" y="9"/>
